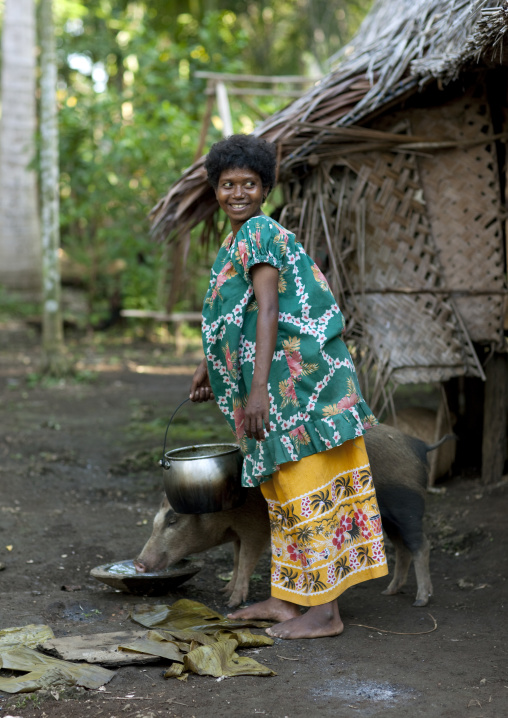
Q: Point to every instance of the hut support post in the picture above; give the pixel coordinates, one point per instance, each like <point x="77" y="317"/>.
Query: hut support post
<point x="494" y="419"/>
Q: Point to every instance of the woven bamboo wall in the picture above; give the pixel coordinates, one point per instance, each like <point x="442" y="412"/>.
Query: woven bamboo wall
<point x="462" y="194"/>
<point x="417" y="335"/>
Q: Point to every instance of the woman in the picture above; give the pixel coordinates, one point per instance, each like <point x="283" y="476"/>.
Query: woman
<point x="281" y="374"/>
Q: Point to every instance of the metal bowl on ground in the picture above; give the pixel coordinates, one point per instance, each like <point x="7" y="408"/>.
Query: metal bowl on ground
<point x="123" y="576"/>
<point x="205" y="478"/>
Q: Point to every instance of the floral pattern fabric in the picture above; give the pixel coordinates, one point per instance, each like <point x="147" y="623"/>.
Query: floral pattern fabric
<point x="315" y="400"/>
<point x="326" y="534"/>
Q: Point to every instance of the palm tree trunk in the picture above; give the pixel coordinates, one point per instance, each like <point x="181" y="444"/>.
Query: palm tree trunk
<point x="20" y="250"/>
<point x="54" y="361"/>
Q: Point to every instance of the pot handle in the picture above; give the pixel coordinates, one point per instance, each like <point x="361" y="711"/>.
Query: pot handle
<point x="164" y="462"/>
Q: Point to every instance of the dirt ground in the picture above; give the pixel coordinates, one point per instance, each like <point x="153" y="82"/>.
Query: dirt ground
<point x="79" y="487"/>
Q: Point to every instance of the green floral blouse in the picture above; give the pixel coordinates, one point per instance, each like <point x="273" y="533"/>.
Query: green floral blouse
<point x="315" y="399"/>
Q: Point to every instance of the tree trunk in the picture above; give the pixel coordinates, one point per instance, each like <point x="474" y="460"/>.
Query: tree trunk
<point x="54" y="361"/>
<point x="20" y="251"/>
<point x="494" y="419"/>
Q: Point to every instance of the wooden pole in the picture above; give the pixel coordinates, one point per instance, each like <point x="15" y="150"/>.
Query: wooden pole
<point x="494" y="443"/>
<point x="224" y="110"/>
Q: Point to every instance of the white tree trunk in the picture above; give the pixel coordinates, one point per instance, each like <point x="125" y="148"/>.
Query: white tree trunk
<point x="52" y="337"/>
<point x="20" y="251"/>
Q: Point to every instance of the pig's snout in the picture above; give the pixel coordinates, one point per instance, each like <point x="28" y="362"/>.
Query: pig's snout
<point x="140" y="567"/>
<point x="143" y="564"/>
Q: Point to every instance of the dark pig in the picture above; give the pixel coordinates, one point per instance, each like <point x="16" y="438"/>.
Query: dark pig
<point x="429" y="426"/>
<point x="400" y="470"/>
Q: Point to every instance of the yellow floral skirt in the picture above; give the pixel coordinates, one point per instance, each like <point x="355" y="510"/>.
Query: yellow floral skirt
<point x="325" y="525"/>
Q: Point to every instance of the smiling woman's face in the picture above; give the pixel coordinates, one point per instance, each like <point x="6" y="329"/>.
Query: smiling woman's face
<point x="240" y="194"/>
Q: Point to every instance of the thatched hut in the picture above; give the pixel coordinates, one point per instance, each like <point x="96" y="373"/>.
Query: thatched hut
<point x="393" y="172"/>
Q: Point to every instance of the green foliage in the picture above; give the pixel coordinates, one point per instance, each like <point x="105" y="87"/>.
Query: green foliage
<point x="298" y="36"/>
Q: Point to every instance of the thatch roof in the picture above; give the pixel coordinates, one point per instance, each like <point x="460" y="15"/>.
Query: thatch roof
<point x="402" y="47"/>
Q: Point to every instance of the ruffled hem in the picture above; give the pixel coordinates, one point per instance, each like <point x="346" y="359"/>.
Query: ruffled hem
<point x="305" y="439"/>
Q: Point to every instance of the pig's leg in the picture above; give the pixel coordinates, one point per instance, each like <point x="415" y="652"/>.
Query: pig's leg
<point x="230" y="586"/>
<point x="424" y="583"/>
<point x="402" y="515"/>
<point x="402" y="563"/>
<point x="249" y="554"/>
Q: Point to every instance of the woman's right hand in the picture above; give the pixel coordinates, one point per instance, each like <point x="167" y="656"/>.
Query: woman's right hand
<point x="257" y="414"/>
<point x="200" y="388"/>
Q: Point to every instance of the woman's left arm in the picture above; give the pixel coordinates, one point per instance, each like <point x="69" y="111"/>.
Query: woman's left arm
<point x="265" y="280"/>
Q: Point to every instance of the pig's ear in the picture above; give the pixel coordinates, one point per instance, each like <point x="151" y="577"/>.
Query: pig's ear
<point x="171" y="517"/>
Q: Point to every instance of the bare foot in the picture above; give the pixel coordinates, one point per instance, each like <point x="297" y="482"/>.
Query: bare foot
<point x="272" y="609"/>
<point x="319" y="621"/>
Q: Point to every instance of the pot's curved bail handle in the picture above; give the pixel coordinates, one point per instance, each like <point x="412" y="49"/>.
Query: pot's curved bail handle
<point x="164" y="462"/>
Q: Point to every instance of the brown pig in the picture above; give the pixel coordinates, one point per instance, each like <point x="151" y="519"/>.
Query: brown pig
<point x="400" y="471"/>
<point x="175" y="536"/>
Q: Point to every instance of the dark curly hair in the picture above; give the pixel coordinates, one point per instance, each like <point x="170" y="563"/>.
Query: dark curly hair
<point x="242" y="151"/>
